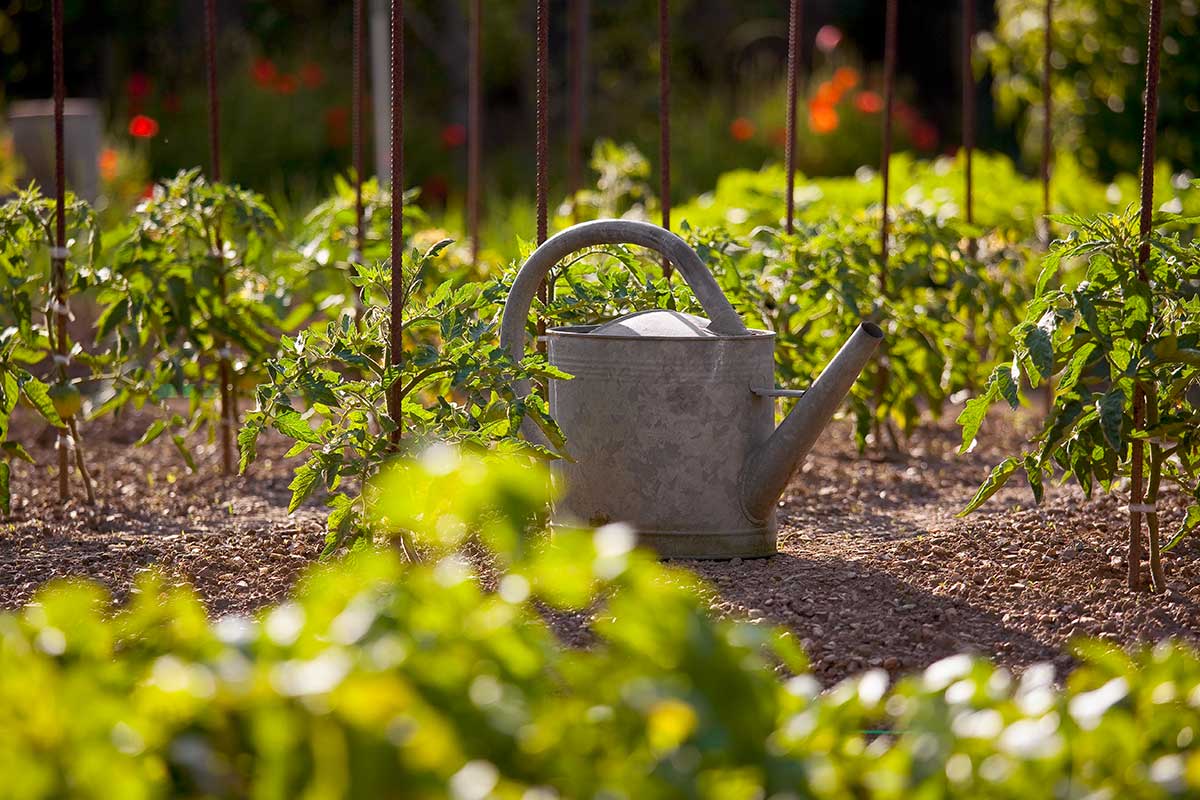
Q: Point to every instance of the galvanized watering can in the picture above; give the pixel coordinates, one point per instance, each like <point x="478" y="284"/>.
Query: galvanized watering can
<point x="670" y="417"/>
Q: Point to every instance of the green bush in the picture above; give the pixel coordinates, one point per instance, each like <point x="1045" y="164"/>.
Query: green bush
<point x="386" y="680"/>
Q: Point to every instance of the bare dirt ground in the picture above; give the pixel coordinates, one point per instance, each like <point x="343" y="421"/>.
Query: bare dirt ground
<point x="874" y="567"/>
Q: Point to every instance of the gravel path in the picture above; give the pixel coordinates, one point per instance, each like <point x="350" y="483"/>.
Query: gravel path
<point x="874" y="568"/>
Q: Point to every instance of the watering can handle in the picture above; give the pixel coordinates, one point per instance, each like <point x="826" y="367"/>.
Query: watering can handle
<point x="723" y="319"/>
<point x="612" y="231"/>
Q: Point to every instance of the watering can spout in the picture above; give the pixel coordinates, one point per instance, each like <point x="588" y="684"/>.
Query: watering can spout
<point x="772" y="464"/>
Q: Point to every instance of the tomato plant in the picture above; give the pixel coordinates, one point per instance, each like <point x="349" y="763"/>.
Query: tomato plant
<point x="455" y="384"/>
<point x="815" y="286"/>
<point x="35" y="349"/>
<point x="1100" y="340"/>
<point x="193" y="307"/>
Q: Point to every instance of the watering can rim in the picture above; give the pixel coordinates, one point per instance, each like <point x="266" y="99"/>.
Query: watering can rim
<point x="596" y="330"/>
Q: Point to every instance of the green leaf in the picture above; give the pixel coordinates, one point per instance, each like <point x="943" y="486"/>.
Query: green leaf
<point x="304" y="482"/>
<point x="971" y="419"/>
<point x="153" y="432"/>
<point x="995" y="481"/>
<point x="38" y="395"/>
<point x="1190" y="523"/>
<point x="184" y="450"/>
<point x="1112" y="411"/>
<point x="1079" y="361"/>
<point x="1041" y="351"/>
<point x="247" y="440"/>
<point x="289" y="422"/>
<point x="16" y="450"/>
<point x="5" y="492"/>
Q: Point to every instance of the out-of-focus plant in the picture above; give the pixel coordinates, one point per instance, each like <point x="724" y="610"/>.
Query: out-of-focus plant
<point x="1098" y="73"/>
<point x="448" y="681"/>
<point x="33" y="339"/>
<point x="455" y="385"/>
<point x="1100" y="341"/>
<point x="192" y="308"/>
<point x="938" y="305"/>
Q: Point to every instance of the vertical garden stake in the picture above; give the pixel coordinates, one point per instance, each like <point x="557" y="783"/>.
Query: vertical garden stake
<point x="578" y="47"/>
<point x="889" y="89"/>
<point x="664" y="119"/>
<point x="1137" y="506"/>
<point x="793" y="78"/>
<point x="68" y="435"/>
<point x="396" y="343"/>
<point x="1047" y="115"/>
<point x="541" y="68"/>
<point x="968" y="114"/>
<point x="474" y="126"/>
<point x="228" y="408"/>
<point x="356" y="125"/>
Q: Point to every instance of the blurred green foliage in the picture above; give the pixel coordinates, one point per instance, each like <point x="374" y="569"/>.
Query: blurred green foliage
<point x="1098" y="76"/>
<point x="385" y="680"/>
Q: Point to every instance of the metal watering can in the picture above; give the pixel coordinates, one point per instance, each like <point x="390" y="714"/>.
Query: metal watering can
<point x="670" y="417"/>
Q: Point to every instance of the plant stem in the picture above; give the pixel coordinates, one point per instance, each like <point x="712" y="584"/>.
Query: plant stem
<point x="1134" y="549"/>
<point x="1158" y="579"/>
<point x="81" y="464"/>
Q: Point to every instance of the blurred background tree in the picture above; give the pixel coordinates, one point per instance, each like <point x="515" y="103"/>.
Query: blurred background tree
<point x="1099" y="72"/>
<point x="285" y="78"/>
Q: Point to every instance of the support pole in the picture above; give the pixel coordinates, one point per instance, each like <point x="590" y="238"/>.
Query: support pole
<point x="793" y="80"/>
<point x="474" y="127"/>
<point x="664" y="118"/>
<point x="1145" y="227"/>
<point x="396" y="342"/>
<point x="889" y="91"/>
<point x="968" y="114"/>
<point x="1047" y="118"/>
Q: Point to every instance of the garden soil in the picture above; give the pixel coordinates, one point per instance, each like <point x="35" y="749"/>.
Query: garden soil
<point x="874" y="567"/>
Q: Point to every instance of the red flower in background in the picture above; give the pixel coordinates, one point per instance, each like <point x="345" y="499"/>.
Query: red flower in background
<point x="138" y="85"/>
<point x="868" y="102"/>
<point x="336" y="132"/>
<point x="108" y="162"/>
<point x="924" y="136"/>
<point x="828" y="94"/>
<point x="286" y="84"/>
<point x="828" y="38"/>
<point x="311" y="75"/>
<point x="822" y="119"/>
<point x="741" y="129"/>
<point x="845" y="78"/>
<point x="143" y="127"/>
<point x="454" y="135"/>
<point x="263" y="72"/>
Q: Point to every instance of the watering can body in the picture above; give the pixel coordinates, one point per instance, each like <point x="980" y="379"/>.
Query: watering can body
<point x="669" y="418"/>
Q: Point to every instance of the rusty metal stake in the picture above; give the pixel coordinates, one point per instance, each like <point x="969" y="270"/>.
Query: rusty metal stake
<point x="1145" y="228"/>
<point x="793" y="80"/>
<point x="396" y="338"/>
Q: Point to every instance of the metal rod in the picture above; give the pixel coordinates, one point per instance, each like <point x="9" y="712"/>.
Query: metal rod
<point x="1047" y="115"/>
<point x="1145" y="227"/>
<point x="968" y="111"/>
<point x="889" y="90"/>
<point x="793" y="80"/>
<point x="542" y="69"/>
<point x="541" y="77"/>
<point x="664" y="118"/>
<point x="474" y="126"/>
<point x="578" y="59"/>
<point x="356" y="123"/>
<point x="214" y="104"/>
<point x="396" y="343"/>
<point x="224" y="367"/>
<point x="58" y="262"/>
